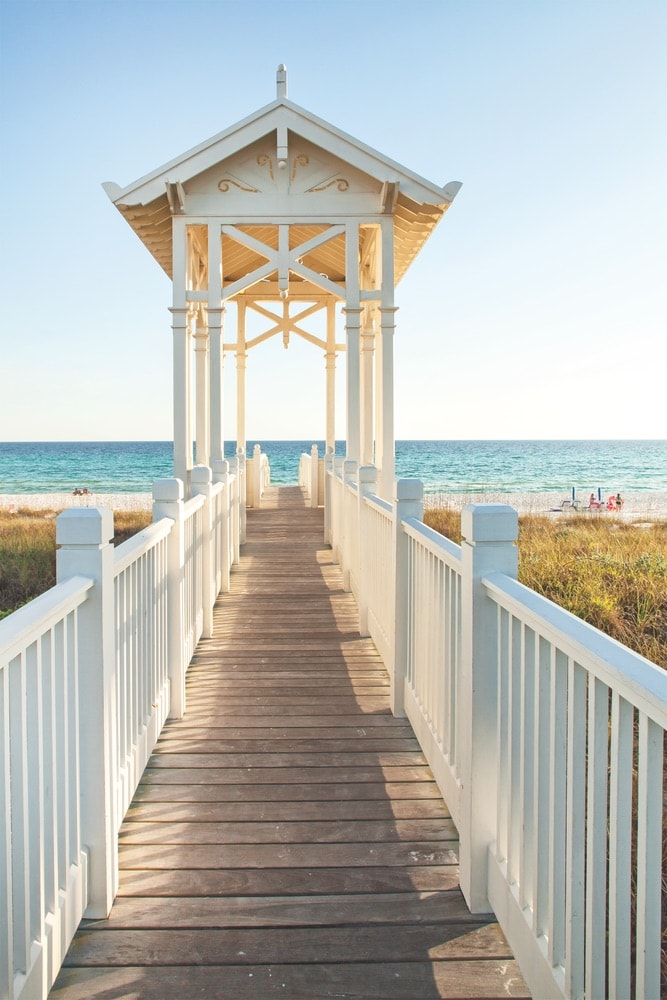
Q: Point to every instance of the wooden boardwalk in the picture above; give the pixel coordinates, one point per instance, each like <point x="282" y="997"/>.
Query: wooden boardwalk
<point x="287" y="838"/>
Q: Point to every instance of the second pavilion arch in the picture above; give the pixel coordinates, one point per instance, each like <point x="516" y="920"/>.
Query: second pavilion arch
<point x="285" y="216"/>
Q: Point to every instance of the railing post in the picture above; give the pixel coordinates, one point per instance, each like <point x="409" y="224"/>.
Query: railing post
<point x="257" y="477"/>
<point x="314" y="477"/>
<point x="86" y="549"/>
<point x="349" y="479"/>
<point x="234" y="511"/>
<point x="408" y="502"/>
<point x="367" y="486"/>
<point x="221" y="475"/>
<point x="200" y="485"/>
<point x="168" y="502"/>
<point x="328" y="469"/>
<point x="489" y="535"/>
<point x="243" y="500"/>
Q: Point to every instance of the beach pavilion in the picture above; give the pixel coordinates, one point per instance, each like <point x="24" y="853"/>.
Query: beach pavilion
<point x="285" y="216"/>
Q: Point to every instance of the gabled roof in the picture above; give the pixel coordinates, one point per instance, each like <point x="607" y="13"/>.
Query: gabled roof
<point x="416" y="203"/>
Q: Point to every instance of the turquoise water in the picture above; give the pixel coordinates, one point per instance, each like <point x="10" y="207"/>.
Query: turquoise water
<point x="447" y="466"/>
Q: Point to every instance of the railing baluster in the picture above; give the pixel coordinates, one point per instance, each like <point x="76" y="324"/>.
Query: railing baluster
<point x="503" y="742"/>
<point x="557" y="807"/>
<point x="514" y="735"/>
<point x="620" y="845"/>
<point x="7" y="901"/>
<point x="596" y="835"/>
<point x="527" y="769"/>
<point x="575" y="829"/>
<point x="649" y="855"/>
<point x="541" y="811"/>
<point x="18" y="810"/>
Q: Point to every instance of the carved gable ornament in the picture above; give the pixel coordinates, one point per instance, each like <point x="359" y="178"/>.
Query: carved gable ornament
<point x="308" y="170"/>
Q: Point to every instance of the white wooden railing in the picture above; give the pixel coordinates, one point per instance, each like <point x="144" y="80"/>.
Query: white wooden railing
<point x="259" y="477"/>
<point x="311" y="476"/>
<point x="545" y="736"/>
<point x="89" y="673"/>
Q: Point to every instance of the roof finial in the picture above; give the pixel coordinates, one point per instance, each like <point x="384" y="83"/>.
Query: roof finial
<point x="281" y="81"/>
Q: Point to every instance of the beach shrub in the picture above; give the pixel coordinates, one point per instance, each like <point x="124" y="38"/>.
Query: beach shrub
<point x="28" y="551"/>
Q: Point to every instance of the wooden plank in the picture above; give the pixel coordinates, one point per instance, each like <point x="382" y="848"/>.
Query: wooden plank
<point x="293" y="911"/>
<point x="288" y="832"/>
<point x="287" y="882"/>
<point x="250" y="945"/>
<point x="280" y="748"/>
<point x="278" y="761"/>
<point x="287" y="838"/>
<point x="316" y="981"/>
<point x="280" y="731"/>
<point x="286" y="855"/>
<point x="207" y="791"/>
<point x="282" y="811"/>
<point x="263" y="774"/>
<point x="294" y="720"/>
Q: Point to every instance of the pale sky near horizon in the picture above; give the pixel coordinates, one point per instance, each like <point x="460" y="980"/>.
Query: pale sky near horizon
<point x="538" y="309"/>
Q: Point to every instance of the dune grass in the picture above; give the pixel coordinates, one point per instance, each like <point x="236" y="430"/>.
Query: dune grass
<point x="28" y="552"/>
<point x="611" y="573"/>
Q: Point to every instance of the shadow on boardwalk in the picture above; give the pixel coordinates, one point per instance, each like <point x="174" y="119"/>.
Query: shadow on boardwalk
<point x="287" y="838"/>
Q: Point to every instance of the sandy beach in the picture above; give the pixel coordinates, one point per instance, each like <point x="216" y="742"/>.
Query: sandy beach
<point x="637" y="506"/>
<point x="60" y="501"/>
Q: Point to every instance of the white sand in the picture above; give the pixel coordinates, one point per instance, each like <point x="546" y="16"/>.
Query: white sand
<point x="642" y="505"/>
<point x="59" y="501"/>
<point x="637" y="506"/>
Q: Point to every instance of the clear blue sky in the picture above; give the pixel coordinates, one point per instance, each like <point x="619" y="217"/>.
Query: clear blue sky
<point x="537" y="310"/>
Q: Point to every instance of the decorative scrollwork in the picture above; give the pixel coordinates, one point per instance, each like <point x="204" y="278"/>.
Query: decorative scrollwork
<point x="301" y="160"/>
<point x="340" y="182"/>
<point x="264" y="160"/>
<point x="223" y="186"/>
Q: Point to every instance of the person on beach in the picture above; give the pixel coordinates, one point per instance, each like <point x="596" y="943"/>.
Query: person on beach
<point x="619" y="501"/>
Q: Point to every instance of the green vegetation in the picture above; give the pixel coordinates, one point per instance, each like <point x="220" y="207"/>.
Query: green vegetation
<point x="28" y="552"/>
<point x="611" y="573"/>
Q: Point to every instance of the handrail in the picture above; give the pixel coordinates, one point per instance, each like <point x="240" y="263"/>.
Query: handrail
<point x="435" y="543"/>
<point x="26" y="624"/>
<point x="637" y="679"/>
<point x="130" y="550"/>
<point x="191" y="506"/>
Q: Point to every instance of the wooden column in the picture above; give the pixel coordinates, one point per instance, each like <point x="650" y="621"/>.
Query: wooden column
<point x="367" y="350"/>
<point x="181" y="368"/>
<point x="181" y="353"/>
<point x="215" y="333"/>
<point x="215" y="323"/>
<point x="378" y="391"/>
<point x="241" y="366"/>
<point x="387" y="326"/>
<point x="331" y="377"/>
<point x="202" y="395"/>
<point x="352" y="320"/>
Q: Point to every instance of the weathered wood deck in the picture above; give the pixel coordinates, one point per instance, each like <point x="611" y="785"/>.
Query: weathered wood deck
<point x="287" y="838"/>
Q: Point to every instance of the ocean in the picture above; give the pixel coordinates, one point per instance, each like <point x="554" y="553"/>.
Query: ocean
<point x="443" y="466"/>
